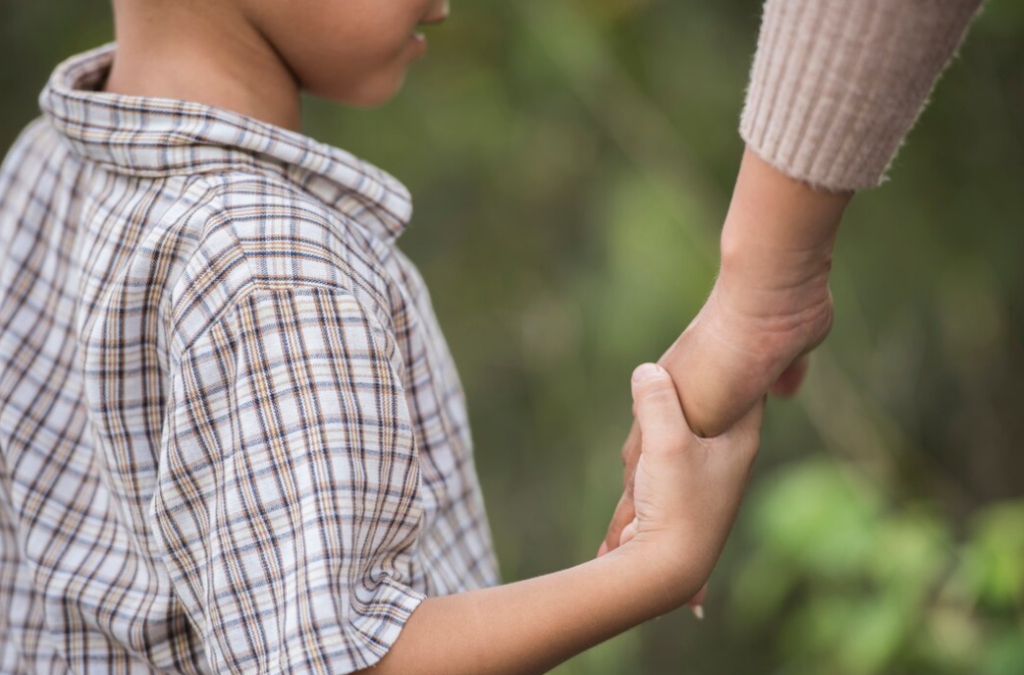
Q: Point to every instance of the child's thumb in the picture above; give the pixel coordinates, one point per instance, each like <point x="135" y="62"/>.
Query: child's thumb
<point x="662" y="424"/>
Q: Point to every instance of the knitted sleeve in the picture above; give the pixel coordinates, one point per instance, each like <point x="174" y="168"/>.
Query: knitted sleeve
<point x="837" y="84"/>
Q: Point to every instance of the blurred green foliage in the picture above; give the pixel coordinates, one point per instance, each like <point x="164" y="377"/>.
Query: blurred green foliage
<point x="571" y="163"/>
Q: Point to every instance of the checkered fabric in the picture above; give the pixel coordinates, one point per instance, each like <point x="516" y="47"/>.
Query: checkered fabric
<point x="232" y="438"/>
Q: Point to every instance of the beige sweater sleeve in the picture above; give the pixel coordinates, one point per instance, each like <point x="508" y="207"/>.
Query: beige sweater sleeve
<point x="837" y="84"/>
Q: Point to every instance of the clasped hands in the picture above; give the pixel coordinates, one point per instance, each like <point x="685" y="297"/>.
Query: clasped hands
<point x="734" y="351"/>
<point x="770" y="307"/>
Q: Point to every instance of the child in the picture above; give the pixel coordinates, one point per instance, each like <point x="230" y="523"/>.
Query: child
<point x="233" y="439"/>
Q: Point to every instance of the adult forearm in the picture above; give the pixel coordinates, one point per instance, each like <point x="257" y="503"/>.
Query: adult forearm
<point x="531" y="626"/>
<point x="779" y="234"/>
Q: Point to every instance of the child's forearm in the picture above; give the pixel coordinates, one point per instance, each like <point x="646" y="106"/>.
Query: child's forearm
<point x="531" y="626"/>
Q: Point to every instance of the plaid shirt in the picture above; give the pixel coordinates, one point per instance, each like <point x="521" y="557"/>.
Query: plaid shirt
<point x="232" y="438"/>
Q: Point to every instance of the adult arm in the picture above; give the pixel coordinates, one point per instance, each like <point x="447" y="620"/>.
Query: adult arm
<point x="835" y="87"/>
<point x="837" y="84"/>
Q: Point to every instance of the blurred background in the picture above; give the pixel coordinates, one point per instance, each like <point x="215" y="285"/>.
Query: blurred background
<point x="571" y="163"/>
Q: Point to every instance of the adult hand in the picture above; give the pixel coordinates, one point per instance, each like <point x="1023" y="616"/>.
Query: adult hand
<point x="725" y="352"/>
<point x="770" y="307"/>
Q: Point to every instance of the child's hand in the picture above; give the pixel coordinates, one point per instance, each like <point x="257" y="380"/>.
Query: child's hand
<point x="687" y="490"/>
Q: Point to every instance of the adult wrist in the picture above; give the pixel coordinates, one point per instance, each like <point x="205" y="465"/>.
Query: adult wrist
<point x="779" y="230"/>
<point x="770" y="248"/>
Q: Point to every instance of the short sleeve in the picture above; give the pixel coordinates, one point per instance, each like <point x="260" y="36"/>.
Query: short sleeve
<point x="288" y="500"/>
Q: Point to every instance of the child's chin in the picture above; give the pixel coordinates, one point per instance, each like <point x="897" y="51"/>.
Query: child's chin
<point x="368" y="95"/>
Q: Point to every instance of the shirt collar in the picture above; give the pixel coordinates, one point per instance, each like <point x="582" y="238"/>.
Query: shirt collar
<point x="160" y="137"/>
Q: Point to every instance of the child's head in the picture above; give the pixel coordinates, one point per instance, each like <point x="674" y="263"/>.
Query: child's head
<point x="351" y="51"/>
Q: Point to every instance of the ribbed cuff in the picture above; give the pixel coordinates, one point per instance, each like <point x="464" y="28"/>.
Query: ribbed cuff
<point x="837" y="84"/>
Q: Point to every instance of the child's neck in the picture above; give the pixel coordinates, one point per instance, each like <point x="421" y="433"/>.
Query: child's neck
<point x="217" y="58"/>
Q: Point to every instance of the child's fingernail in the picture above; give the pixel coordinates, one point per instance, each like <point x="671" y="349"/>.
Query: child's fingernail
<point x="604" y="549"/>
<point x="644" y="371"/>
<point x="698" y="611"/>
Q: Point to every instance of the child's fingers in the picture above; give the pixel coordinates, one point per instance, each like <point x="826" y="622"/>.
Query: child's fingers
<point x="629" y="532"/>
<point x="696" y="603"/>
<point x="624" y="513"/>
<point x="658" y="410"/>
<point x="792" y="377"/>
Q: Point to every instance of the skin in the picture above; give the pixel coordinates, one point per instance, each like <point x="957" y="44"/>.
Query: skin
<point x="769" y="308"/>
<point x="687" y="493"/>
<point x="255" y="57"/>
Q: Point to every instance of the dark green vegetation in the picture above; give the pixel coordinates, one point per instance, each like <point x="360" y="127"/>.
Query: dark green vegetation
<point x="571" y="163"/>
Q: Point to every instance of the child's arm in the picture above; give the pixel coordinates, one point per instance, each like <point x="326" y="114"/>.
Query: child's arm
<point x="687" y="495"/>
<point x="531" y="626"/>
<point x="290" y="502"/>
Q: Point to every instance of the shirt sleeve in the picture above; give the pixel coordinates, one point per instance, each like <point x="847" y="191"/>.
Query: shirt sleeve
<point x="837" y="84"/>
<point x="288" y="501"/>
